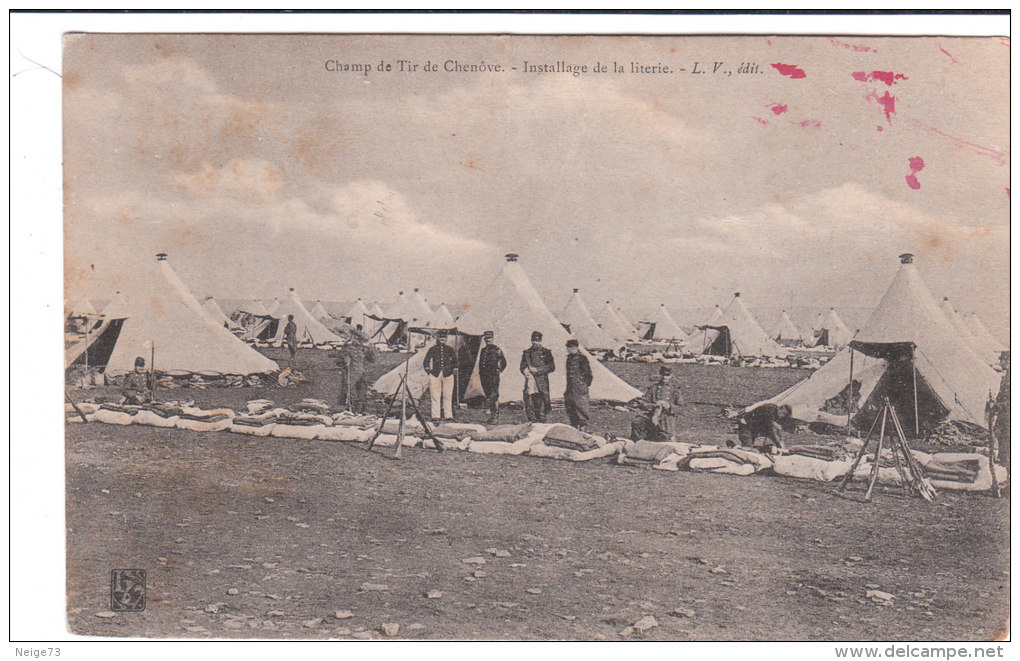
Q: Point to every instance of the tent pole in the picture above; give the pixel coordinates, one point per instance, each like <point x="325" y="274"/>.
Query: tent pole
<point x="913" y="370"/>
<point x="850" y="393"/>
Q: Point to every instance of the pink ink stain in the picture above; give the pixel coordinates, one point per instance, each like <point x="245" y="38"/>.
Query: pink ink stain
<point x="811" y="123"/>
<point x="887" y="101"/>
<point x="887" y="77"/>
<point x="791" y="70"/>
<point x="760" y="120"/>
<point x="949" y="55"/>
<point x="916" y="165"/>
<point x="1007" y="192"/>
<point x="879" y="128"/>
<point x="778" y="108"/>
<point x="857" y="48"/>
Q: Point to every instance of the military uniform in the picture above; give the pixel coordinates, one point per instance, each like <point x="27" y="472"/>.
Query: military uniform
<point x="440" y="364"/>
<point x="290" y="337"/>
<point x="491" y="363"/>
<point x="352" y="358"/>
<point x="137" y="388"/>
<point x="760" y="422"/>
<point x="643" y="428"/>
<point x="575" y="399"/>
<point x="537" y="404"/>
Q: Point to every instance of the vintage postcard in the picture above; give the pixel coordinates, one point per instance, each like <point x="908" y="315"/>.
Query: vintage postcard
<point x="478" y="337"/>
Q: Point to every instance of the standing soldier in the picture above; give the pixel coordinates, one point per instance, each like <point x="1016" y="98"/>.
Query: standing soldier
<point x="440" y="364"/>
<point x="491" y="363"/>
<point x="578" y="381"/>
<point x="353" y="390"/>
<point x="661" y="402"/>
<point x="536" y="365"/>
<point x="290" y="336"/>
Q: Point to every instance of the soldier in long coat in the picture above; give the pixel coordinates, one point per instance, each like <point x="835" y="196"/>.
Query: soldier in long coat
<point x="491" y="363"/>
<point x="536" y="365"/>
<point x="579" y="378"/>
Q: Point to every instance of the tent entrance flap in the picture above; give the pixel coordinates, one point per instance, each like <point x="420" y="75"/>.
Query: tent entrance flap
<point x="918" y="405"/>
<point x="721" y="345"/>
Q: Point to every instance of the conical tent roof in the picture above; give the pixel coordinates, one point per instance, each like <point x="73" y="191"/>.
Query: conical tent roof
<point x="165" y="317"/>
<point x="982" y="335"/>
<point x="625" y="321"/>
<point x="80" y="307"/>
<point x="512" y="309"/>
<point x="319" y="312"/>
<point x="716" y="315"/>
<point x="309" y="329"/>
<point x="964" y="334"/>
<point x="357" y="312"/>
<point x="117" y="308"/>
<point x="443" y="317"/>
<point x="665" y="327"/>
<point x="273" y="307"/>
<point x="213" y="310"/>
<point x="422" y="311"/>
<point x="583" y="327"/>
<point x="256" y="308"/>
<point x="838" y="335"/>
<point x="785" y="330"/>
<point x="615" y="325"/>
<point x="906" y="314"/>
<point x="746" y="337"/>
<point x="377" y="311"/>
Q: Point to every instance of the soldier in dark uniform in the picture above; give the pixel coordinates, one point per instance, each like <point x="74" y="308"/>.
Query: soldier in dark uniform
<point x="661" y="402"/>
<point x="137" y="385"/>
<point x="999" y="414"/>
<point x="536" y="365"/>
<point x="441" y="364"/>
<point x="763" y="421"/>
<point x="351" y="359"/>
<point x="491" y="363"/>
<point x="579" y="378"/>
<point x="290" y="336"/>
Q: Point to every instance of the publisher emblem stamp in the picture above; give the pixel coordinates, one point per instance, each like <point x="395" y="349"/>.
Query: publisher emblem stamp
<point x="127" y="590"/>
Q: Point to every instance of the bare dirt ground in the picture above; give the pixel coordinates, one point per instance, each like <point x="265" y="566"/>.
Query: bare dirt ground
<point x="276" y="538"/>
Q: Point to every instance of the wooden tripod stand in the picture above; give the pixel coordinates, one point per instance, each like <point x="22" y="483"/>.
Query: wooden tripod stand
<point x="406" y="399"/>
<point x="911" y="476"/>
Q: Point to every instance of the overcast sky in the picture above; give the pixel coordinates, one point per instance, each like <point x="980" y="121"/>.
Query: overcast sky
<point x="257" y="169"/>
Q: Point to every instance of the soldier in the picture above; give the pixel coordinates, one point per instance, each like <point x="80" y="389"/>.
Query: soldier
<point x="137" y="385"/>
<point x="441" y="364"/>
<point x="351" y="359"/>
<point x="763" y="421"/>
<point x="491" y="363"/>
<point x="290" y="336"/>
<point x="662" y="402"/>
<point x="578" y="381"/>
<point x="536" y="365"/>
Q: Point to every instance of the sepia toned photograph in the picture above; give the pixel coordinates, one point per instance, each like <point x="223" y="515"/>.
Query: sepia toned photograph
<point x="517" y="338"/>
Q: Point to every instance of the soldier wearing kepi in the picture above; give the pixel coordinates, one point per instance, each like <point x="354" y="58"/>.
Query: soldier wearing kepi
<point x="579" y="378"/>
<point x="536" y="365"/>
<point x="662" y="402"/>
<point x="491" y="363"/>
<point x="440" y="364"/>
<point x="351" y="359"/>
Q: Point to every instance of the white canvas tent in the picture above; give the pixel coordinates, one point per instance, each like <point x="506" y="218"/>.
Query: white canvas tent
<point x="424" y="315"/>
<point x="117" y="308"/>
<point x="407" y="309"/>
<point x="906" y="343"/>
<point x="273" y="307"/>
<point x="614" y="324"/>
<point x="255" y="307"/>
<point x="625" y="321"/>
<point x="357" y="312"/>
<point x="664" y="327"/>
<point x="832" y="332"/>
<point x="79" y="307"/>
<point x="165" y="318"/>
<point x="309" y="329"/>
<point x="215" y="312"/>
<point x="963" y="332"/>
<point x="512" y="309"/>
<point x="982" y="335"/>
<point x="576" y="316"/>
<point x="443" y="317"/>
<point x="319" y="312"/>
<point x="785" y="332"/>
<point x="734" y="333"/>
